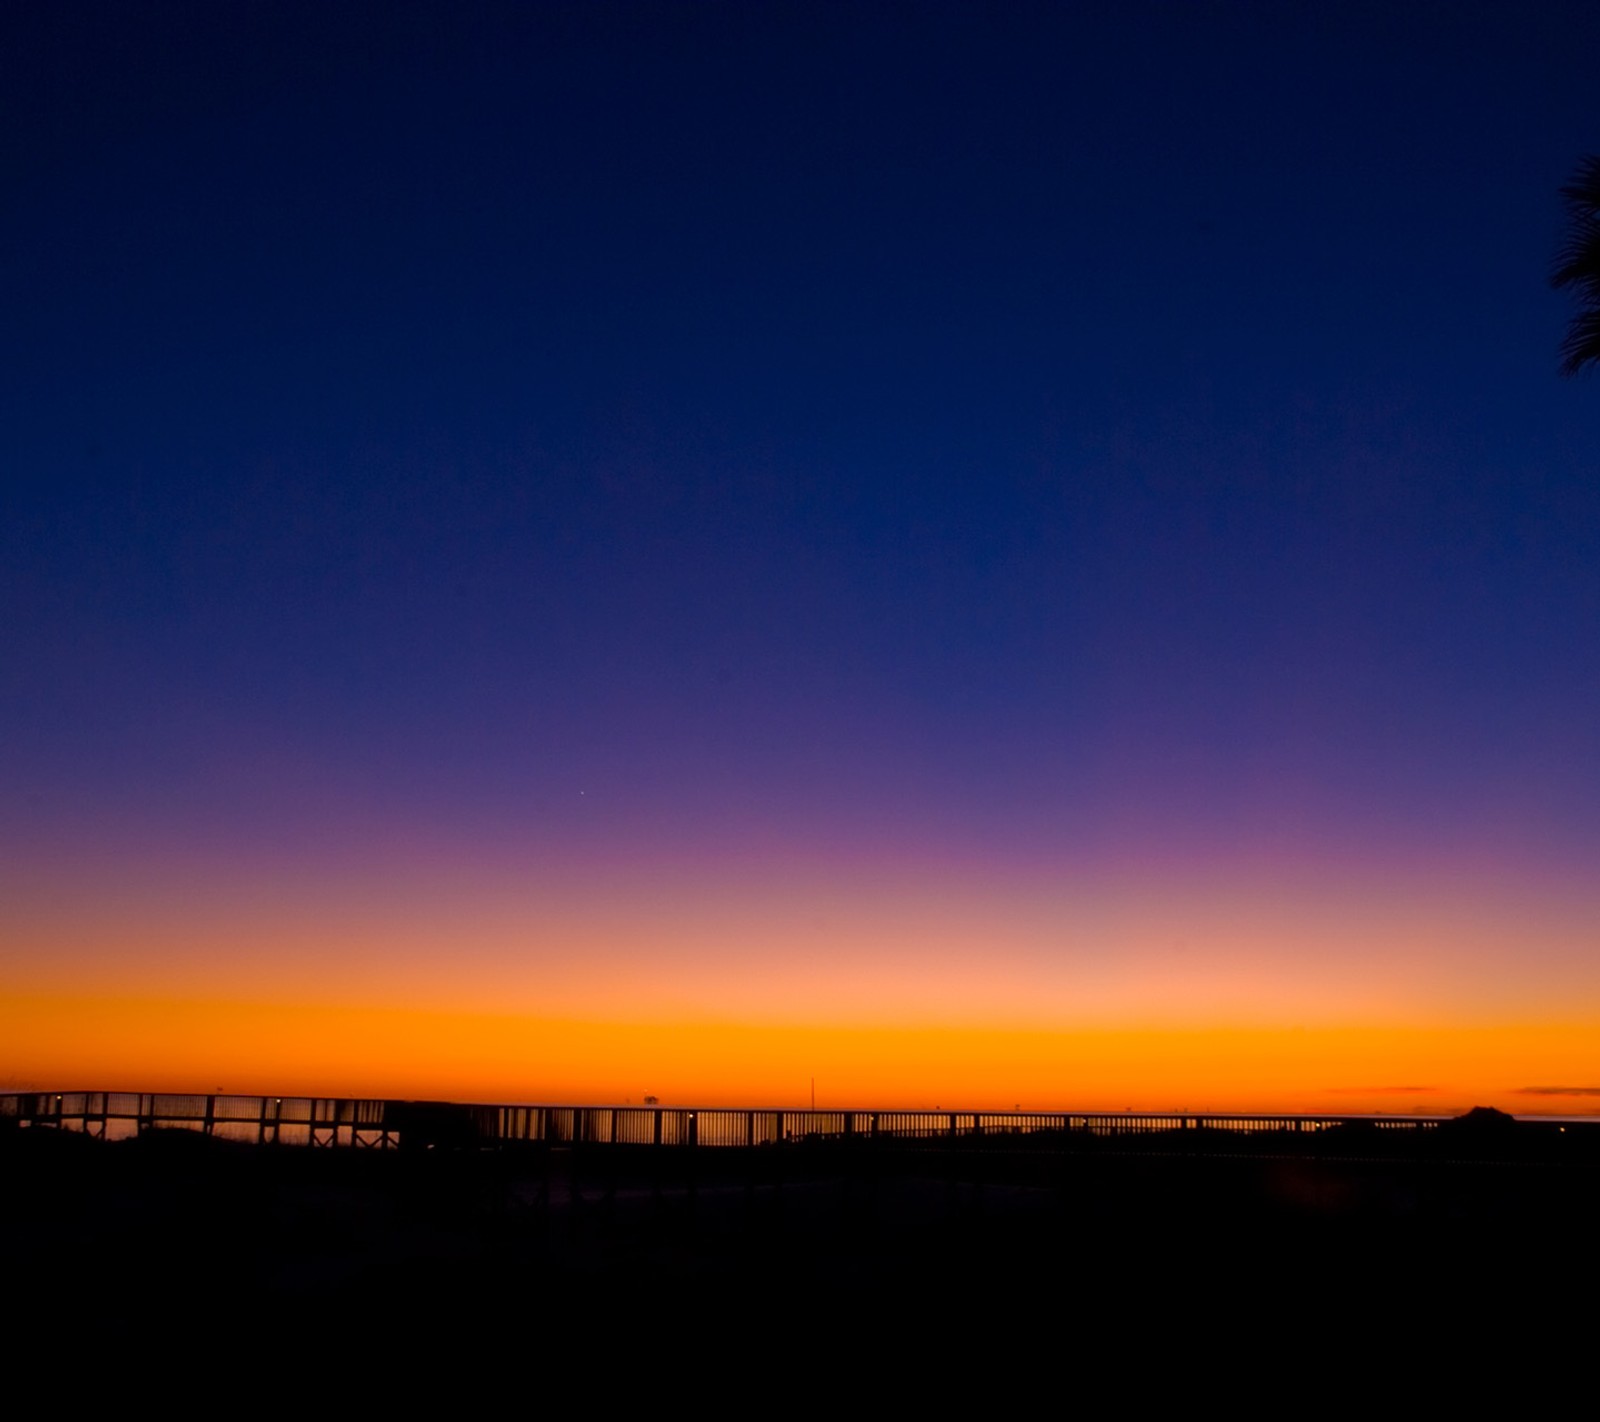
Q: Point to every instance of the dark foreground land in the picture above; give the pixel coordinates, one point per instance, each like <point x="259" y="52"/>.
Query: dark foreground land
<point x="954" y="1260"/>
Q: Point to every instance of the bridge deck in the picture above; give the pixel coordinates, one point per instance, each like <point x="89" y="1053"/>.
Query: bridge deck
<point x="383" y="1124"/>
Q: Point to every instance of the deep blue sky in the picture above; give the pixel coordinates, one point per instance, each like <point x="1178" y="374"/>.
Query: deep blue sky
<point x="1004" y="430"/>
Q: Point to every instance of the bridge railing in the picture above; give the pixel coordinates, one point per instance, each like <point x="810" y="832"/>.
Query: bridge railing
<point x="373" y="1123"/>
<point x="266" y="1120"/>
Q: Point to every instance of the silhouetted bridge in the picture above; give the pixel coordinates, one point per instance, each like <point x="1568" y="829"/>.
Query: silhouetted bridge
<point x="382" y="1124"/>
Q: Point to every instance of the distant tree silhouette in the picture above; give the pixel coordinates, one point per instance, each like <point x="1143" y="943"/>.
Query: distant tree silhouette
<point x="1578" y="266"/>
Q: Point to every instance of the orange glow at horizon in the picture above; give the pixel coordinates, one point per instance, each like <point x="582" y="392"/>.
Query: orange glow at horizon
<point x="1228" y="993"/>
<point x="199" y="1045"/>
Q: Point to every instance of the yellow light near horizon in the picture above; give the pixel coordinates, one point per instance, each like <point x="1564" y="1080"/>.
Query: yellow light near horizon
<point x="61" y="1041"/>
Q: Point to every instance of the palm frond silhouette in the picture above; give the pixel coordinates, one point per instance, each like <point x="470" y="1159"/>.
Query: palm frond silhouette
<point x="1578" y="266"/>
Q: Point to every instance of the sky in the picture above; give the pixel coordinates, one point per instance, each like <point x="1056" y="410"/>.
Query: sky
<point x="1023" y="555"/>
